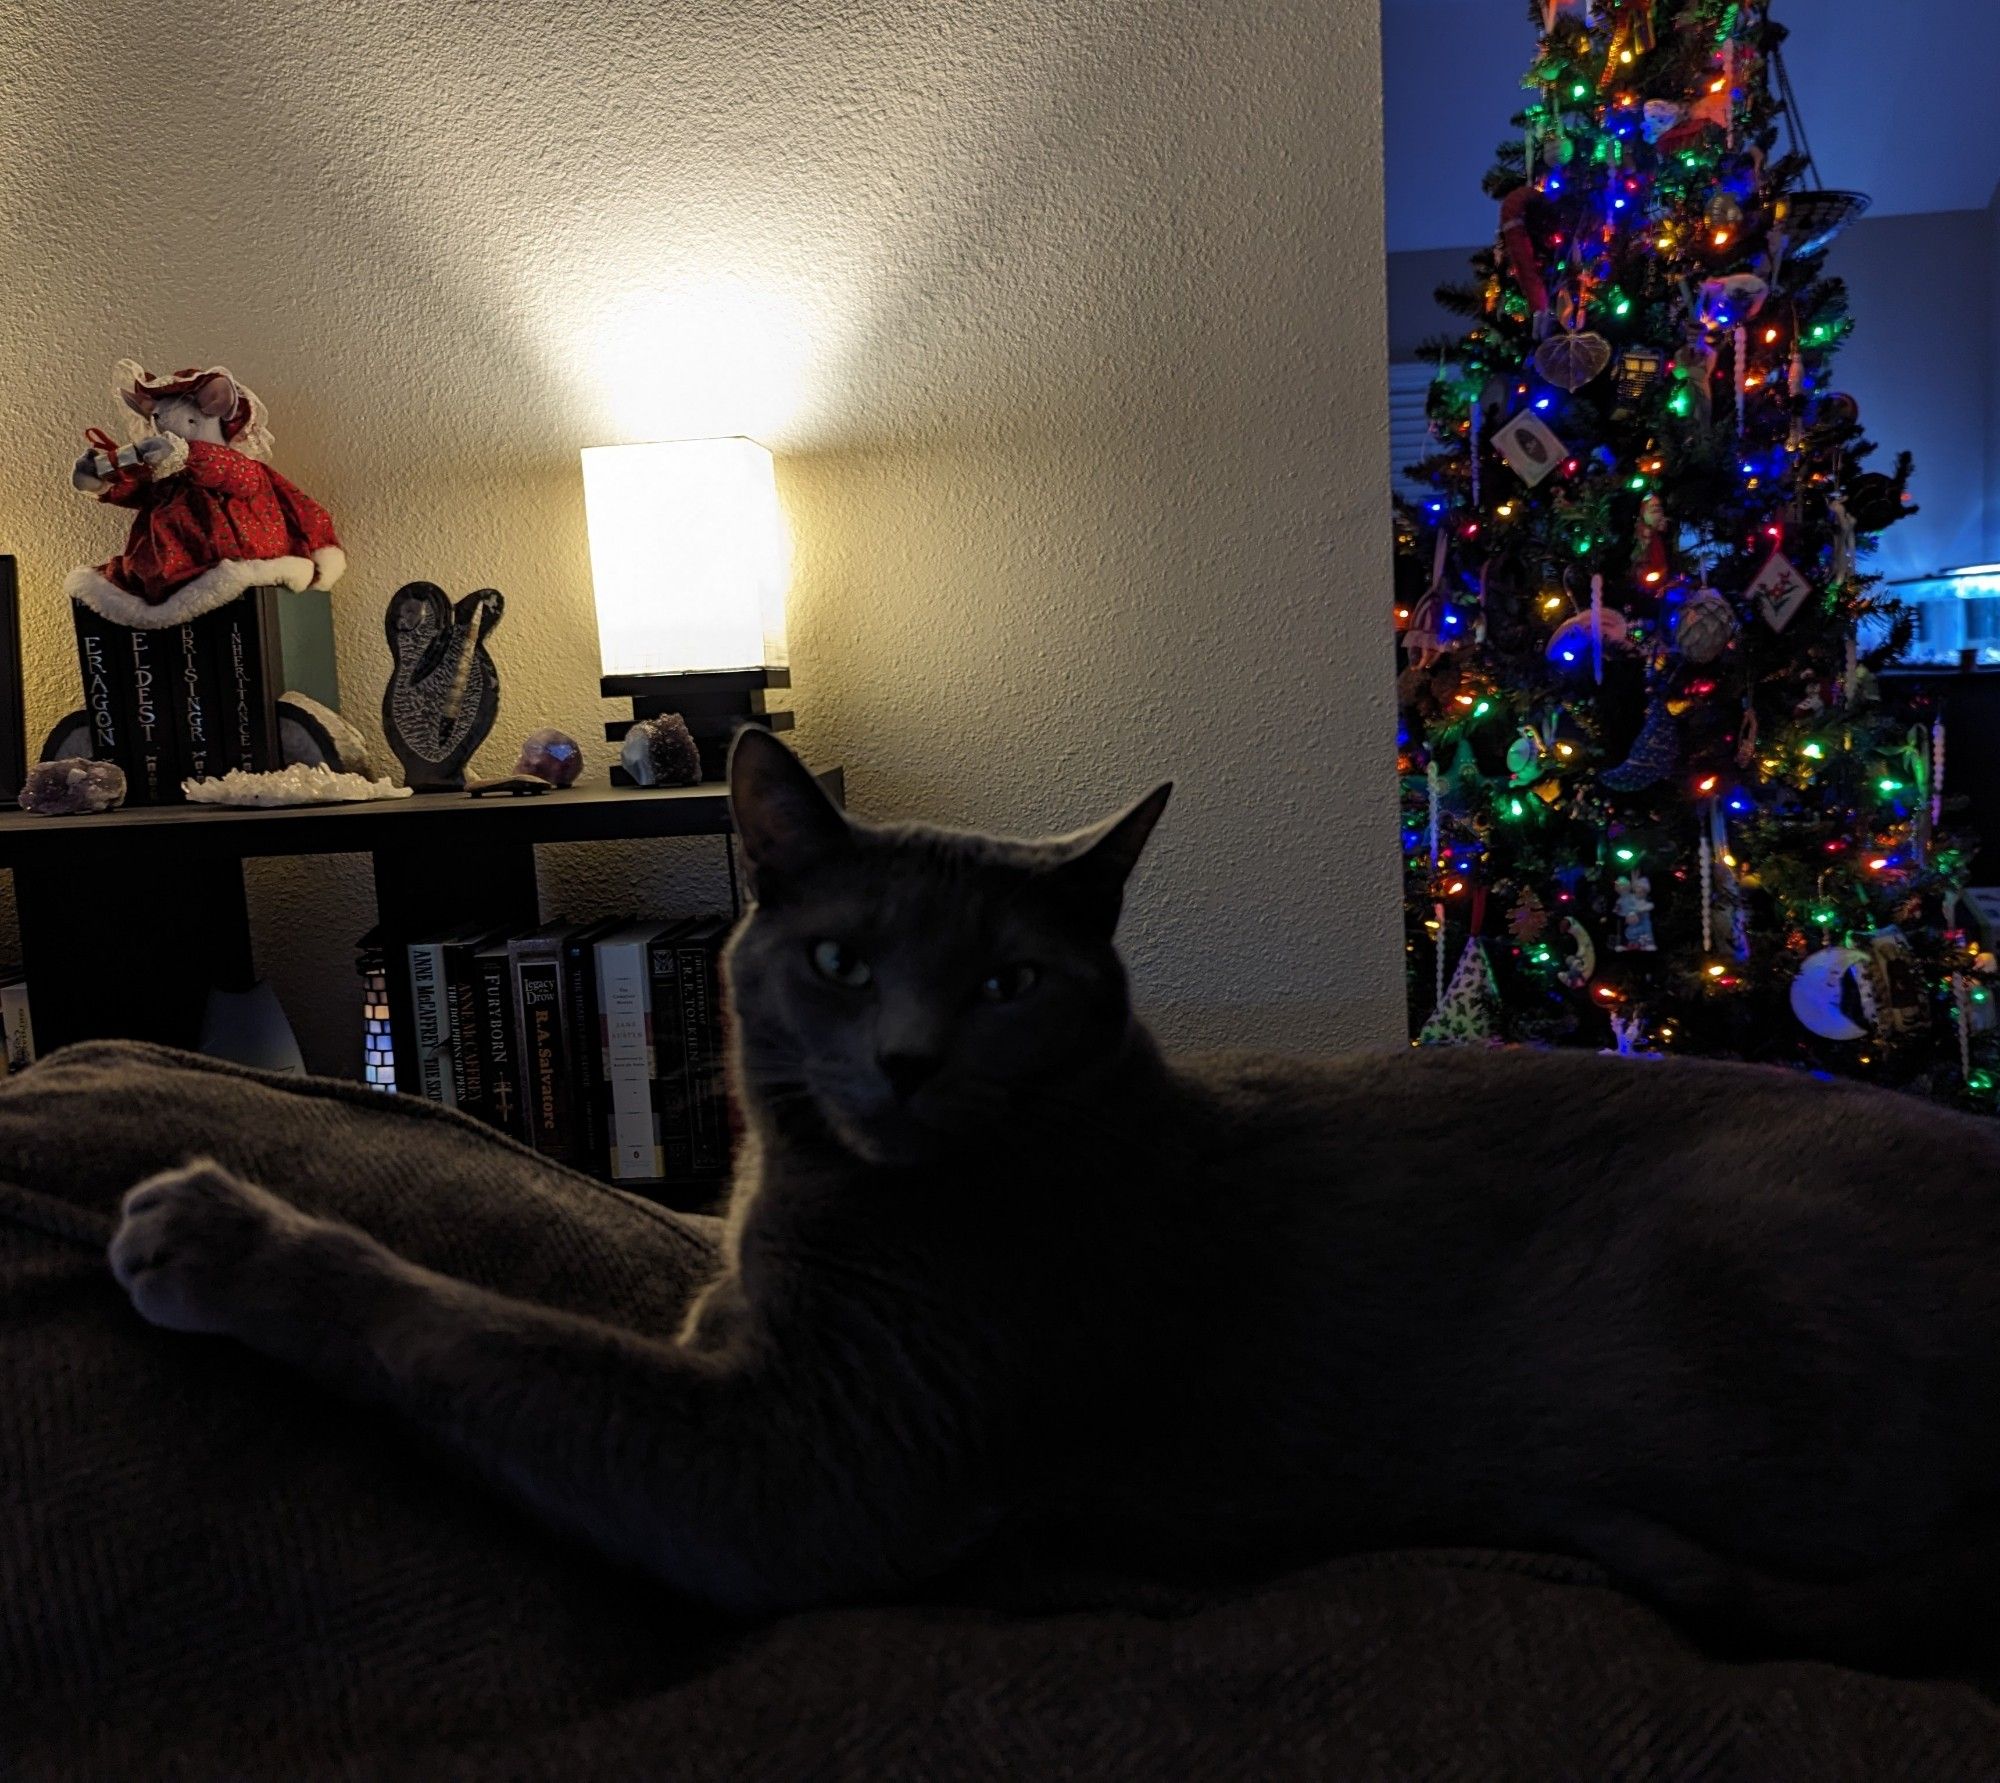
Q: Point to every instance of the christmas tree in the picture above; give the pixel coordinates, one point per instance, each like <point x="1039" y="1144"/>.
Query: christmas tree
<point x="1654" y="796"/>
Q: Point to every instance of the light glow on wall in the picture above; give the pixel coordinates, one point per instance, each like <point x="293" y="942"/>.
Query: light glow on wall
<point x="689" y="556"/>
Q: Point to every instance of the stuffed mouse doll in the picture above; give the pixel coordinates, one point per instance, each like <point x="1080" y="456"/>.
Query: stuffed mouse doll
<point x="212" y="518"/>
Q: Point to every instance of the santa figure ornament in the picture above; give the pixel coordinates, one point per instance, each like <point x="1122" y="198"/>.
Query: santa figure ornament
<point x="212" y="518"/>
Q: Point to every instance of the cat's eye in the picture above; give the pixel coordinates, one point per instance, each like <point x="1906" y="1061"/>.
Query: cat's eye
<point x="839" y="963"/>
<point x="1009" y="983"/>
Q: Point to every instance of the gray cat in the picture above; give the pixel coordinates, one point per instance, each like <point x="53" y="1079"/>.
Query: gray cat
<point x="992" y="1264"/>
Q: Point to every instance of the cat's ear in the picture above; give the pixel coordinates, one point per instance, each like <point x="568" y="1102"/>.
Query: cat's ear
<point x="783" y="817"/>
<point x="1096" y="863"/>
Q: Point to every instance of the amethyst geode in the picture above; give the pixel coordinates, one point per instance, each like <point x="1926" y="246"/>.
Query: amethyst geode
<point x="551" y="755"/>
<point x="72" y="786"/>
<point x="661" y="752"/>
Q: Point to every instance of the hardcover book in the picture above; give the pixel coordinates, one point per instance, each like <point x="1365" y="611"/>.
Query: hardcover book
<point x="104" y="661"/>
<point x="591" y="1117"/>
<point x="241" y="645"/>
<point x="626" y="1060"/>
<point x="673" y="1084"/>
<point x="430" y="1015"/>
<point x="697" y="954"/>
<point x="495" y="982"/>
<point x="193" y="698"/>
<point x="152" y="773"/>
<point x="541" y="1047"/>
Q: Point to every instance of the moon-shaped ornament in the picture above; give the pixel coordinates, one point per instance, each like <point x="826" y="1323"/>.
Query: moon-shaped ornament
<point x="1816" y="993"/>
<point x="1581" y="967"/>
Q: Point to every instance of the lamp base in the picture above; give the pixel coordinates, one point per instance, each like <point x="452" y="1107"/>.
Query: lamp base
<point x="714" y="705"/>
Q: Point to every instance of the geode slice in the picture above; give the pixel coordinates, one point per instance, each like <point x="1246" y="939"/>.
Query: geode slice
<point x="73" y="786"/>
<point x="551" y="755"/>
<point x="660" y="752"/>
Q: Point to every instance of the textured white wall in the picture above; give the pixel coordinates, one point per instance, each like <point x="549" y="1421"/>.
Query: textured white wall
<point x="1067" y="323"/>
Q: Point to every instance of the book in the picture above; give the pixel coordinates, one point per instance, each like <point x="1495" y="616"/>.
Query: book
<point x="590" y="1115"/>
<point x="103" y="658"/>
<point x="193" y="696"/>
<point x="627" y="1063"/>
<point x="152" y="773"/>
<point x="673" y="1086"/>
<point x="241" y="646"/>
<point x="17" y="1027"/>
<point x="697" y="955"/>
<point x="494" y="979"/>
<point x="542" y="1054"/>
<point x="429" y="1072"/>
<point x="465" y="1052"/>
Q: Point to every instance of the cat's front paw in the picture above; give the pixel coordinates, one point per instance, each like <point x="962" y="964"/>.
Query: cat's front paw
<point x="190" y="1243"/>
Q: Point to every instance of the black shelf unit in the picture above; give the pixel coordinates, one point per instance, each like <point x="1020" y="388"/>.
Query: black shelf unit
<point x="127" y="917"/>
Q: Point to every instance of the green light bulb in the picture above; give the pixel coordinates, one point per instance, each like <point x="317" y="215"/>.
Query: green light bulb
<point x="1625" y="854"/>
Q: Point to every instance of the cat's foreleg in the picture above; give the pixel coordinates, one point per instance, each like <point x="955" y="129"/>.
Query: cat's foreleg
<point x="731" y="1475"/>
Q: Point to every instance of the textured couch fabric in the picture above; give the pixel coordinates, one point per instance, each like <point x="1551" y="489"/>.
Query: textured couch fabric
<point x="210" y="1569"/>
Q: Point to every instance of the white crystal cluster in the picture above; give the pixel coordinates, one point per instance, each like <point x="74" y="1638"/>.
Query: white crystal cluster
<point x="296" y="785"/>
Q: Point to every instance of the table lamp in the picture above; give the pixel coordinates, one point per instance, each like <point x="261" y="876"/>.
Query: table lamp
<point x="688" y="562"/>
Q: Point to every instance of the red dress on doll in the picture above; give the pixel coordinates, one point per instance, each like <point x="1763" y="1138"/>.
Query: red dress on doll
<point x="211" y="521"/>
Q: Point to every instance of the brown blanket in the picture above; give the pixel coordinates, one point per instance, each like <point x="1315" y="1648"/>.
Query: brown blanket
<point x="208" y="1569"/>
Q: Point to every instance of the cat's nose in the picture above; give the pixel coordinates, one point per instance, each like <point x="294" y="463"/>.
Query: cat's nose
<point x="908" y="1072"/>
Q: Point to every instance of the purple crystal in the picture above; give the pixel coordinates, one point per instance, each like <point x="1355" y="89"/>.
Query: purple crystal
<point x="660" y="752"/>
<point x="553" y="756"/>
<point x="72" y="785"/>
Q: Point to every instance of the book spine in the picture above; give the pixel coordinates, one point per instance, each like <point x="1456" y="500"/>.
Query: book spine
<point x="544" y="1086"/>
<point x="673" y="1089"/>
<point x="193" y="701"/>
<point x="240" y="639"/>
<point x="99" y="655"/>
<point x="625" y="1058"/>
<point x="17" y="1028"/>
<point x="467" y="1056"/>
<point x="496" y="1043"/>
<point x="696" y="963"/>
<point x="589" y="1121"/>
<point x="432" y="1019"/>
<point x="154" y="757"/>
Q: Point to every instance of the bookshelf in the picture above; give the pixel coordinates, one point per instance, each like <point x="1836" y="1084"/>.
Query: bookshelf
<point x="127" y="917"/>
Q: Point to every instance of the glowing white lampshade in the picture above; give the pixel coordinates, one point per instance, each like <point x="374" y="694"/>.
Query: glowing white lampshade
<point x="689" y="556"/>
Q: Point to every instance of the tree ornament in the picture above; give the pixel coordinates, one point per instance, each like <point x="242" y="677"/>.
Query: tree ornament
<point x="1638" y="368"/>
<point x="1660" y="116"/>
<point x="1824" y="991"/>
<point x="1706" y="624"/>
<point x="1570" y="360"/>
<point x="1729" y="302"/>
<point x="1815" y="218"/>
<point x="1724" y="214"/>
<point x="1584" y="637"/>
<point x="1835" y="408"/>
<point x="1875" y="500"/>
<point x="1778" y="591"/>
<point x="1530" y="447"/>
<point x="1891" y="986"/>
<point x="1581" y="965"/>
<point x="1635" y="914"/>
<point x="1840" y="564"/>
<point x="1529" y="919"/>
<point x="1524" y="758"/>
<point x="1656" y="752"/>
<point x="1649" y="555"/>
<point x="1696" y="363"/>
<point x="1518" y="244"/>
<point x="1469" y="1011"/>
